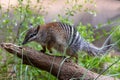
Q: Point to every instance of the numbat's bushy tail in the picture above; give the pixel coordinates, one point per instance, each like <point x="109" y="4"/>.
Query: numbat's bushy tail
<point x="93" y="50"/>
<point x="62" y="37"/>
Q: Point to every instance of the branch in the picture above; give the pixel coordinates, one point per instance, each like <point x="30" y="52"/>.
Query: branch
<point x="61" y="68"/>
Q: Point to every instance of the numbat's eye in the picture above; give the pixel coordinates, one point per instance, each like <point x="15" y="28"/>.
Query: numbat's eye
<point x="32" y="35"/>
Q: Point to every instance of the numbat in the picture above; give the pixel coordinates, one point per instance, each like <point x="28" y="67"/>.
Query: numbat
<point x="62" y="37"/>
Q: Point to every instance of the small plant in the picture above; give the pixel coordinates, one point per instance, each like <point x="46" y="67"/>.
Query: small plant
<point x="86" y="32"/>
<point x="116" y="36"/>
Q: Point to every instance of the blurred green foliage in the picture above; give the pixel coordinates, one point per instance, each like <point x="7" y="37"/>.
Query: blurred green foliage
<point x="86" y="31"/>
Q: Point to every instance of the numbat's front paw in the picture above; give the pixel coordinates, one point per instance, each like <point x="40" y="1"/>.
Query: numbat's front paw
<point x="51" y="52"/>
<point x="43" y="51"/>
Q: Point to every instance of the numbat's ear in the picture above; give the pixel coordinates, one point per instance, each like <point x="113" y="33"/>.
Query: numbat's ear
<point x="37" y="29"/>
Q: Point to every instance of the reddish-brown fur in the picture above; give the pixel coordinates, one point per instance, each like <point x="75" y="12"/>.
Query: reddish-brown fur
<point x="56" y="39"/>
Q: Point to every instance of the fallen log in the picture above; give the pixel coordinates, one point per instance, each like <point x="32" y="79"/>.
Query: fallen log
<point x="60" y="67"/>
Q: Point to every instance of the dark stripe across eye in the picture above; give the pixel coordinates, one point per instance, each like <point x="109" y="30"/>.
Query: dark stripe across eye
<point x="32" y="35"/>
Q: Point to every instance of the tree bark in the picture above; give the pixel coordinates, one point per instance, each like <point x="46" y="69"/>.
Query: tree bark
<point x="58" y="66"/>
